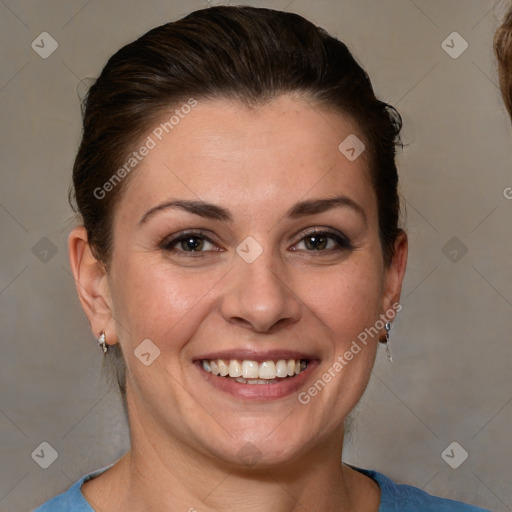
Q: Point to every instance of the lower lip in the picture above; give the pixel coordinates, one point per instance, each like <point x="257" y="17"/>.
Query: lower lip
<point x="262" y="392"/>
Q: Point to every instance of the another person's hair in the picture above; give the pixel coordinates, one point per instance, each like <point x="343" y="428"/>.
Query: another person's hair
<point x="503" y="52"/>
<point x="247" y="54"/>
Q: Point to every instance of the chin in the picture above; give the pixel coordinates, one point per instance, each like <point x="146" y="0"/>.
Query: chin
<point x="262" y="450"/>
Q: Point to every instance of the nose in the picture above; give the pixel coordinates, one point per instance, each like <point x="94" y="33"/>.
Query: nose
<point x="259" y="297"/>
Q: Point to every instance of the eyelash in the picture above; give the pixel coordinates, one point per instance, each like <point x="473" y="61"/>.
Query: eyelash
<point x="343" y="243"/>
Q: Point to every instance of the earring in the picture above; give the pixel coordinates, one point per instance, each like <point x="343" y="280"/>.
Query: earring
<point x="102" y="343"/>
<point x="386" y="341"/>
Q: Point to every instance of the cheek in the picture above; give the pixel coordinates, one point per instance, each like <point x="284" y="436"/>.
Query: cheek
<point x="156" y="300"/>
<point x="345" y="300"/>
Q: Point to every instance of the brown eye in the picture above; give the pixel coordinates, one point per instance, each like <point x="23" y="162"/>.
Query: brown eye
<point x="191" y="243"/>
<point x="188" y="243"/>
<point x="325" y="241"/>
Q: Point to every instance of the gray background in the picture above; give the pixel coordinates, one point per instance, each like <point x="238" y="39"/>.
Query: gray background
<point x="450" y="379"/>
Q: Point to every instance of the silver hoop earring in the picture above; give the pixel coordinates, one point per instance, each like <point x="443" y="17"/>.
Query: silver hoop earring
<point x="102" y="342"/>
<point x="386" y="341"/>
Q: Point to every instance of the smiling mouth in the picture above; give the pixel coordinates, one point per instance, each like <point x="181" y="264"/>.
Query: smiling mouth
<point x="252" y="372"/>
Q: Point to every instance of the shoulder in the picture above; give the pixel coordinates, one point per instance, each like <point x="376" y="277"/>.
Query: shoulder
<point x="394" y="497"/>
<point x="72" y="500"/>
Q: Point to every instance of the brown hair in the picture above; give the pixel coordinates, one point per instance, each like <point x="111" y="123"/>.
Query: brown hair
<point x="244" y="53"/>
<point x="503" y="52"/>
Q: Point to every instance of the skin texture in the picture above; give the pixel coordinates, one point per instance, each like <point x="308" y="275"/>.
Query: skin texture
<point x="187" y="436"/>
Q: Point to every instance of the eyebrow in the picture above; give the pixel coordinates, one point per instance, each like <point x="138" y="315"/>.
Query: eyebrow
<point x="212" y="211"/>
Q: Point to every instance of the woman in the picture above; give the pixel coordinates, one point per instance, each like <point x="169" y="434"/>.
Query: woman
<point x="240" y="256"/>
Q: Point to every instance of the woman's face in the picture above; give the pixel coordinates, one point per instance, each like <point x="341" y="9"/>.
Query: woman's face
<point x="271" y="254"/>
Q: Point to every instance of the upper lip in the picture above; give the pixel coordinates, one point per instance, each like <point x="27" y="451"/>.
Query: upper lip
<point x="256" y="355"/>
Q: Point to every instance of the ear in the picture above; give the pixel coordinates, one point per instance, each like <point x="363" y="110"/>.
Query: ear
<point x="394" y="274"/>
<point x="92" y="285"/>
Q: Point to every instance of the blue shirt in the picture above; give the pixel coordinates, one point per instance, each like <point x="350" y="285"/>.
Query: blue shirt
<point x="393" y="498"/>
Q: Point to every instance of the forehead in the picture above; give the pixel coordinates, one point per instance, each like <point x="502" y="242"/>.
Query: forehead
<point x="274" y="154"/>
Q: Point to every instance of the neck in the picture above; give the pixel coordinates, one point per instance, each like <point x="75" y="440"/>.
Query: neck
<point x="163" y="473"/>
<point x="188" y="481"/>
<point x="191" y="483"/>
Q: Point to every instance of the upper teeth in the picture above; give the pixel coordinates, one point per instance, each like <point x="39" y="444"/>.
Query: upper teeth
<point x="248" y="369"/>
